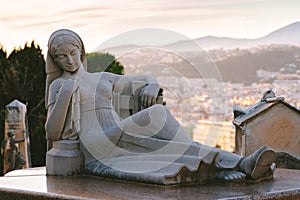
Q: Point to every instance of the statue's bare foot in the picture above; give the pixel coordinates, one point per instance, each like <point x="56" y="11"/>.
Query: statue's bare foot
<point x="229" y="176"/>
<point x="259" y="164"/>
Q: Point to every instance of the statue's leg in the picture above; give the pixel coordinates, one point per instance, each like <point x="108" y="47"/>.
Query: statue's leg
<point x="234" y="168"/>
<point x="11" y="160"/>
<point x="156" y="122"/>
<point x="225" y="163"/>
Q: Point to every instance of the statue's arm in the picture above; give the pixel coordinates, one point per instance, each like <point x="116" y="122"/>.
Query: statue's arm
<point x="18" y="140"/>
<point x="150" y="92"/>
<point x="59" y="98"/>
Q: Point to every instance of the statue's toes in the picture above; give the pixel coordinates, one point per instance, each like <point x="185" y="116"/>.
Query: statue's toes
<point x="240" y="175"/>
<point x="229" y="176"/>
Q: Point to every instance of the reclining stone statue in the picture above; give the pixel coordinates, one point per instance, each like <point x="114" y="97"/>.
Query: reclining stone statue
<point x="149" y="146"/>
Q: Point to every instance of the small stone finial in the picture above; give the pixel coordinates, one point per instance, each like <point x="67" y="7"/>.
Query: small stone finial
<point x="268" y="94"/>
<point x="237" y="111"/>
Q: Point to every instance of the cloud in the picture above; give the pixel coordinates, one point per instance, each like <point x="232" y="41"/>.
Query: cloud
<point x="88" y="9"/>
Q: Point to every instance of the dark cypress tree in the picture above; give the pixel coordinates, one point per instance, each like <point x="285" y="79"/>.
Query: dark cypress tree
<point x="3" y="64"/>
<point x="23" y="78"/>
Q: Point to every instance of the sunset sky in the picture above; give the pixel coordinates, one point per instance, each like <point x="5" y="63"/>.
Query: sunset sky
<point x="98" y="20"/>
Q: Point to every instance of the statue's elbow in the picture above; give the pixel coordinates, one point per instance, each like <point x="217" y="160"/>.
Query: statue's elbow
<point x="51" y="133"/>
<point x="52" y="136"/>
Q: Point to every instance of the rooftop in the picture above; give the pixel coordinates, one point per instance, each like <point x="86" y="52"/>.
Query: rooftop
<point x="260" y="107"/>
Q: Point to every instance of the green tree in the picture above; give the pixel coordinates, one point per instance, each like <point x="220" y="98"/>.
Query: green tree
<point x="99" y="62"/>
<point x="23" y="78"/>
<point x="3" y="63"/>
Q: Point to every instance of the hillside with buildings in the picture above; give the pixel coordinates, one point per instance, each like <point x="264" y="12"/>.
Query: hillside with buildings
<point x="246" y="65"/>
<point x="201" y="87"/>
<point x="203" y="104"/>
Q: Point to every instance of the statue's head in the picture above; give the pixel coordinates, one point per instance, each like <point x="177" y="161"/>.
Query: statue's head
<point x="56" y="40"/>
<point x="62" y="37"/>
<point x="10" y="133"/>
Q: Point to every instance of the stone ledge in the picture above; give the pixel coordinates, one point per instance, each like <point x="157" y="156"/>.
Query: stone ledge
<point x="34" y="184"/>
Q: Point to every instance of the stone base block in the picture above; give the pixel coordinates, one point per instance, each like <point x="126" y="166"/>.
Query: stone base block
<point x="65" y="158"/>
<point x="33" y="184"/>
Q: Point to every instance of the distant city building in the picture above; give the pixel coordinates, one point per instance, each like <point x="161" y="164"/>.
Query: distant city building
<point x="215" y="134"/>
<point x="265" y="74"/>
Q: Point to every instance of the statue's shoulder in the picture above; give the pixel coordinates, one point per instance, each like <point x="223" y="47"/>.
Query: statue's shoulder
<point x="104" y="75"/>
<point x="110" y="76"/>
<point x="57" y="81"/>
<point x="56" y="84"/>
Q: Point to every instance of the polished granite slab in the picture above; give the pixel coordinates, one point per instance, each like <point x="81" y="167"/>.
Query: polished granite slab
<point x="34" y="184"/>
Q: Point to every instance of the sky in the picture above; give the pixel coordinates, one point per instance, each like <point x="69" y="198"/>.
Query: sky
<point x="97" y="21"/>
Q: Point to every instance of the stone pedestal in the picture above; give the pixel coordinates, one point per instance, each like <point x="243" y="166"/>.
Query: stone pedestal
<point x="65" y="158"/>
<point x="33" y="184"/>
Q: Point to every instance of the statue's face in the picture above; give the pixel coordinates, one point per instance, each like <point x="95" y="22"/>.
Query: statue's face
<point x="67" y="56"/>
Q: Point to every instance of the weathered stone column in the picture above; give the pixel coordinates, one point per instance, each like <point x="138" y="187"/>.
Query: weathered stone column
<point x="16" y="121"/>
<point x="65" y="158"/>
